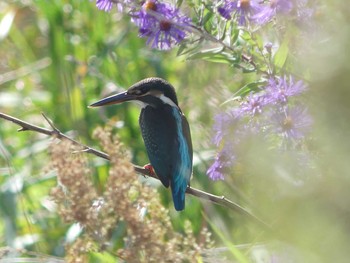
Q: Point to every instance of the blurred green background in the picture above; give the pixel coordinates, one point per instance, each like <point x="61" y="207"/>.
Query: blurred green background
<point x="57" y="57"/>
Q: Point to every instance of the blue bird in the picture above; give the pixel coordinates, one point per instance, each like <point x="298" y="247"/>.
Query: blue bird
<point x="165" y="132"/>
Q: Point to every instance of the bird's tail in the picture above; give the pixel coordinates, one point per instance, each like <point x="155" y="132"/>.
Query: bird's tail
<point x="178" y="189"/>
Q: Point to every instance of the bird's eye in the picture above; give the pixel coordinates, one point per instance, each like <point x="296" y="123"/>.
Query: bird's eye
<point x="139" y="92"/>
<point x="135" y="92"/>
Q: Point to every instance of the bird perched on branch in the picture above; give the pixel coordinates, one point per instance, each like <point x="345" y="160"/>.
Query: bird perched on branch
<point x="165" y="132"/>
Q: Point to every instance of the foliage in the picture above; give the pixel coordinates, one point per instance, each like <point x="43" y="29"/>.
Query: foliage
<point x="126" y="203"/>
<point x="270" y="75"/>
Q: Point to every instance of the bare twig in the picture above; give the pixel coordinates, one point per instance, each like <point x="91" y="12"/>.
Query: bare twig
<point x="28" y="69"/>
<point x="25" y="126"/>
<point x="220" y="200"/>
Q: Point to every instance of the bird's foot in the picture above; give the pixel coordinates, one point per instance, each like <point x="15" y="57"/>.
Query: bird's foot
<point x="150" y="169"/>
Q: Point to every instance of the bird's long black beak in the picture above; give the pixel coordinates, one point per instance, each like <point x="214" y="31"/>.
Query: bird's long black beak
<point x="114" y="99"/>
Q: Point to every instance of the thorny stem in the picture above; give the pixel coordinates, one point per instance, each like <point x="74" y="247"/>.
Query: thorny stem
<point x="55" y="132"/>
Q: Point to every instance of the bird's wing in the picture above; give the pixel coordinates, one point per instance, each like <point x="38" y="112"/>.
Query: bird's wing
<point x="182" y="164"/>
<point x="158" y="129"/>
<point x="167" y="139"/>
<point x="187" y="133"/>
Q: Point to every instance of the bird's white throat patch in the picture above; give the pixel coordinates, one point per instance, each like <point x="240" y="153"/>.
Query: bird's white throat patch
<point x="166" y="100"/>
<point x="158" y="95"/>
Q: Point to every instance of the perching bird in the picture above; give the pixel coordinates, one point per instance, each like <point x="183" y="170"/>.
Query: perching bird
<point x="165" y="132"/>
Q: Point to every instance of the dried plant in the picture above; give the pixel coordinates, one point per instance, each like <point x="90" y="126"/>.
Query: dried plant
<point x="149" y="235"/>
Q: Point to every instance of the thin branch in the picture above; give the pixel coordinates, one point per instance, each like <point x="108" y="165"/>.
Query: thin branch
<point x="28" y="69"/>
<point x="220" y="200"/>
<point x="223" y="201"/>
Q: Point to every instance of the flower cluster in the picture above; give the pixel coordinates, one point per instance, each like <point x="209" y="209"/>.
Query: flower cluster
<point x="105" y="5"/>
<point x="273" y="112"/>
<point x="161" y="23"/>
<point x="164" y="25"/>
<point x="269" y="11"/>
<point x="241" y="10"/>
<point x="74" y="192"/>
<point x="261" y="12"/>
<point x="149" y="234"/>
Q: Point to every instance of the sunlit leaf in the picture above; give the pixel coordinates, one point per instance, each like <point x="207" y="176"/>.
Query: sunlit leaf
<point x="102" y="257"/>
<point x="215" y="55"/>
<point x="6" y="23"/>
<point x="281" y="55"/>
<point x="250" y="87"/>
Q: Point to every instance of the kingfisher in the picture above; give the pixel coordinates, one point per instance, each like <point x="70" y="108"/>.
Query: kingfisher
<point x="165" y="132"/>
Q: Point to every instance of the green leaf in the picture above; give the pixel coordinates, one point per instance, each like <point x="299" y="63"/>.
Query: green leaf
<point x="239" y="255"/>
<point x="250" y="87"/>
<point x="234" y="35"/>
<point x="179" y="3"/>
<point x="104" y="257"/>
<point x="207" y="17"/>
<point x="245" y="90"/>
<point x="281" y="55"/>
<point x="215" y="55"/>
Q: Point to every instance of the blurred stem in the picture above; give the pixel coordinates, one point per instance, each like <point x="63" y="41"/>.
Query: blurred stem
<point x="244" y="57"/>
<point x="55" y="132"/>
<point x="26" y="70"/>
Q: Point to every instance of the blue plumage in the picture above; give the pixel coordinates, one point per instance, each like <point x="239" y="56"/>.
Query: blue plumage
<point x="165" y="132"/>
<point x="183" y="167"/>
<point x="168" y="149"/>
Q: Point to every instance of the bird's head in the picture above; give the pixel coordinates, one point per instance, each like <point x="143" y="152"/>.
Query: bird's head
<point x="151" y="91"/>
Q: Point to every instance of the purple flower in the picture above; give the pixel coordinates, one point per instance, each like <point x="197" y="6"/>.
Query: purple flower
<point x="282" y="6"/>
<point x="105" y="5"/>
<point x="268" y="46"/>
<point x="243" y="10"/>
<point x="215" y="172"/>
<point x="223" y="162"/>
<point x="253" y="105"/>
<point x="162" y="23"/>
<point x="224" y="124"/>
<point x="278" y="91"/>
<point x="227" y="9"/>
<point x="225" y="130"/>
<point x="269" y="11"/>
<point x="292" y="123"/>
<point x="305" y="10"/>
<point x="269" y="114"/>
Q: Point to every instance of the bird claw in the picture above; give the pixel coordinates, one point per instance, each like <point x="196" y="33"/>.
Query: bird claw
<point x="150" y="169"/>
